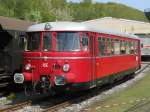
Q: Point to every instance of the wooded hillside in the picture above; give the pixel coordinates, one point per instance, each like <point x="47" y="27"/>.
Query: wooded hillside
<point x="61" y="10"/>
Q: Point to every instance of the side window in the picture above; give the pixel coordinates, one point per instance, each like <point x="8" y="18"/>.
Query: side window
<point x="136" y="47"/>
<point x="127" y="47"/>
<point x="116" y="47"/>
<point x="131" y="47"/>
<point x="85" y="41"/>
<point x="109" y="46"/>
<point x="112" y="46"/>
<point x="122" y="47"/>
<point x="101" y="46"/>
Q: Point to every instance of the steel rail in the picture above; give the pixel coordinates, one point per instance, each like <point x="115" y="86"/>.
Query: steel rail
<point x="142" y="69"/>
<point x="16" y="106"/>
<point x="57" y="107"/>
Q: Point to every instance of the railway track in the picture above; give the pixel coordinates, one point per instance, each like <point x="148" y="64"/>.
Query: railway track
<point x="17" y="106"/>
<point x="142" y="69"/>
<point x="67" y="103"/>
<point x="57" y="107"/>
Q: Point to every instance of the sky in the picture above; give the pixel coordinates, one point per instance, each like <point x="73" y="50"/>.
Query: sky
<point x="138" y="4"/>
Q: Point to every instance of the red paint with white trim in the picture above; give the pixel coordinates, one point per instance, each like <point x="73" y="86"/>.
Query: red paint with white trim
<point x="84" y="65"/>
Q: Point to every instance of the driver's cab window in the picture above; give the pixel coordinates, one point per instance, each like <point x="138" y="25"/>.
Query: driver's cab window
<point x="85" y="41"/>
<point x="47" y="41"/>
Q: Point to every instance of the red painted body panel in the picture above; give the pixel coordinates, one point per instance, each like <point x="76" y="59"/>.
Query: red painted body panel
<point x="80" y="65"/>
<point x="111" y="65"/>
<point x="84" y="66"/>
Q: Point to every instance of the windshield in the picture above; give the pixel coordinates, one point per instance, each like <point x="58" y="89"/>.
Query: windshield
<point x="47" y="41"/>
<point x="33" y="41"/>
<point x="67" y="41"/>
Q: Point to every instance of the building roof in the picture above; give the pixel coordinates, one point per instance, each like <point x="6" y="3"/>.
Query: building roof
<point x="122" y="25"/>
<point x="74" y="26"/>
<point x="14" y="24"/>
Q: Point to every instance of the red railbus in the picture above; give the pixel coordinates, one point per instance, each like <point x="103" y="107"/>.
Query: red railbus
<point x="76" y="56"/>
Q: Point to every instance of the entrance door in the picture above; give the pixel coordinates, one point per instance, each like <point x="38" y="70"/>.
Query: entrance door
<point x="93" y="59"/>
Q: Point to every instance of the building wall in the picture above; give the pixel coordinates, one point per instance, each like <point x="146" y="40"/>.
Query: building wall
<point x="122" y="25"/>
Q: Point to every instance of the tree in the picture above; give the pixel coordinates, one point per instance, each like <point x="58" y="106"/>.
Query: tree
<point x="61" y="10"/>
<point x="87" y="1"/>
<point x="7" y="7"/>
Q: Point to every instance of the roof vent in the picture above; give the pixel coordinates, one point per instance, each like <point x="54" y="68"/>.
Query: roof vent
<point x="47" y="26"/>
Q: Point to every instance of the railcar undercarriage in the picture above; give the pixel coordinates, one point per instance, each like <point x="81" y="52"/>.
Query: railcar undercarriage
<point x="39" y="87"/>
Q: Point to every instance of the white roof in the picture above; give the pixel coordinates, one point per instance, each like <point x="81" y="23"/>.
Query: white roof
<point x="121" y="25"/>
<point x="74" y="26"/>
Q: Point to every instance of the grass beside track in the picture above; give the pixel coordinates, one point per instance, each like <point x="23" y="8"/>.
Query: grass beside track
<point x="135" y="98"/>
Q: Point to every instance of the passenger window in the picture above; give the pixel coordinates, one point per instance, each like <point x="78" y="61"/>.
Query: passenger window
<point x="127" y="48"/>
<point x="108" y="46"/>
<point x="85" y="41"/>
<point x="101" y="46"/>
<point x="123" y="47"/>
<point x="131" y="47"/>
<point x="136" y="47"/>
<point x="116" y="47"/>
<point x="112" y="46"/>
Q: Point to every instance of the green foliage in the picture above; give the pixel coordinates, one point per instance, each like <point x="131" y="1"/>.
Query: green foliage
<point x="7" y="8"/>
<point x="11" y="96"/>
<point x="86" y="11"/>
<point x="61" y="10"/>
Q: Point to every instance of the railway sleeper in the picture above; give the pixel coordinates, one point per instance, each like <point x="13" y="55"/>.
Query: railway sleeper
<point x="4" y="84"/>
<point x="4" y="77"/>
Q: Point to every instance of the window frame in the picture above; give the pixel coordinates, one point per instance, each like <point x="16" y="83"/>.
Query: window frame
<point x="125" y="41"/>
<point x="42" y="41"/>
<point x="81" y="40"/>
<point x="55" y="46"/>
<point x="40" y="44"/>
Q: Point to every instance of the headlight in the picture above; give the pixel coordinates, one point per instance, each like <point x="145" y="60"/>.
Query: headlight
<point x="27" y="66"/>
<point x="19" y="78"/>
<point x="66" y="67"/>
<point x="60" y="80"/>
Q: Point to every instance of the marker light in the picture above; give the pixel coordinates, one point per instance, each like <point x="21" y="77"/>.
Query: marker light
<point x="66" y="67"/>
<point x="27" y="66"/>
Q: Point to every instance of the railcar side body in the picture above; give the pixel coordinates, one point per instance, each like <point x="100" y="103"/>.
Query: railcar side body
<point x="76" y="56"/>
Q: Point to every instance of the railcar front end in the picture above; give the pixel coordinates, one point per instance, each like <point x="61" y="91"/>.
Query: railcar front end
<point x="56" y="60"/>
